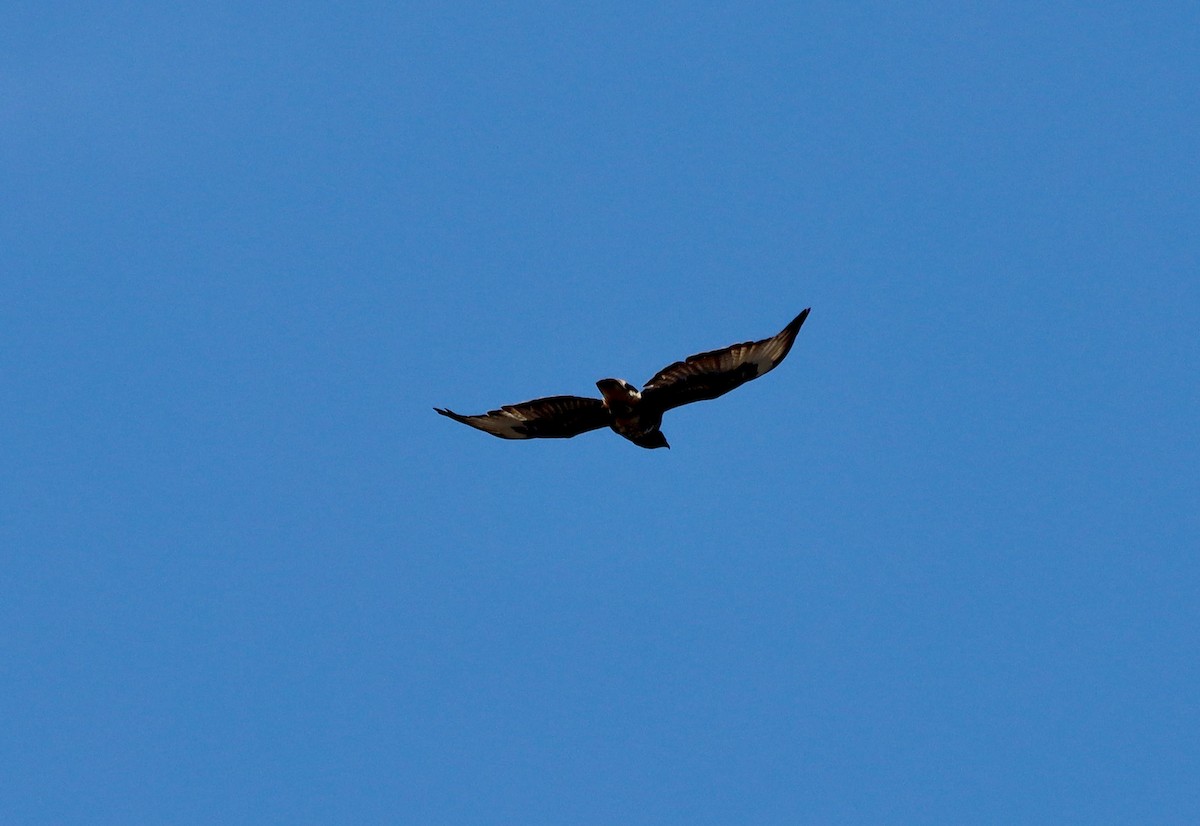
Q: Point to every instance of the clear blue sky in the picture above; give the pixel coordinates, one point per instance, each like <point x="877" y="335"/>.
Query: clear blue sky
<point x="940" y="567"/>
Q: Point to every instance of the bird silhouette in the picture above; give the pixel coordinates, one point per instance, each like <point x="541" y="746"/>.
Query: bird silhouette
<point x="637" y="415"/>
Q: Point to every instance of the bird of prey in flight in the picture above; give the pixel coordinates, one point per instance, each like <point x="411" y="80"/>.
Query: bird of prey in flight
<point x="638" y="415"/>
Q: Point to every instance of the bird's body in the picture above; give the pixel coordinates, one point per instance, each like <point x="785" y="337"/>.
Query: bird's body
<point x="629" y="416"/>
<point x="637" y="415"/>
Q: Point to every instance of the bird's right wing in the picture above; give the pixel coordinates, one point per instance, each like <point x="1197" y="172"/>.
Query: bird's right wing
<point x="708" y="375"/>
<point x="555" y="417"/>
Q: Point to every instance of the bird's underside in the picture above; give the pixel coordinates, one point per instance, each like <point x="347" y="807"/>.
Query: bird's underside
<point x="634" y="414"/>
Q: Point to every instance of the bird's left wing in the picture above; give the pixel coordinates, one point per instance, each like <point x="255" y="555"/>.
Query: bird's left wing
<point x="708" y="375"/>
<point x="555" y="417"/>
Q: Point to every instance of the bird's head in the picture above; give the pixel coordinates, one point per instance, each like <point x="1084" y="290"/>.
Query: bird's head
<point x="651" y="440"/>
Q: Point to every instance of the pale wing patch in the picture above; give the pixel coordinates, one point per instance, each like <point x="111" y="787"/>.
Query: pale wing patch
<point x="767" y="354"/>
<point x="500" y="423"/>
<point x="506" y="423"/>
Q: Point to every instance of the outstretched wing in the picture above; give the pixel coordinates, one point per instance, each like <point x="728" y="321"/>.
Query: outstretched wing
<point x="708" y="375"/>
<point x="555" y="417"/>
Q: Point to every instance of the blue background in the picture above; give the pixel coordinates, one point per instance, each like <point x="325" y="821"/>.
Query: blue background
<point x="939" y="567"/>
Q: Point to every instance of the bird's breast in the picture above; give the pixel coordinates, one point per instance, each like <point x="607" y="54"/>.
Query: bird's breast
<point x="627" y="425"/>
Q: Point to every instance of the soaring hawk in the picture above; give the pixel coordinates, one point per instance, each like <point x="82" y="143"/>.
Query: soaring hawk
<point x="631" y="414"/>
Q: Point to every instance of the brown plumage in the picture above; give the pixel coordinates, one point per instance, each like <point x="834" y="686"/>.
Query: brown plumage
<point x="637" y="416"/>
